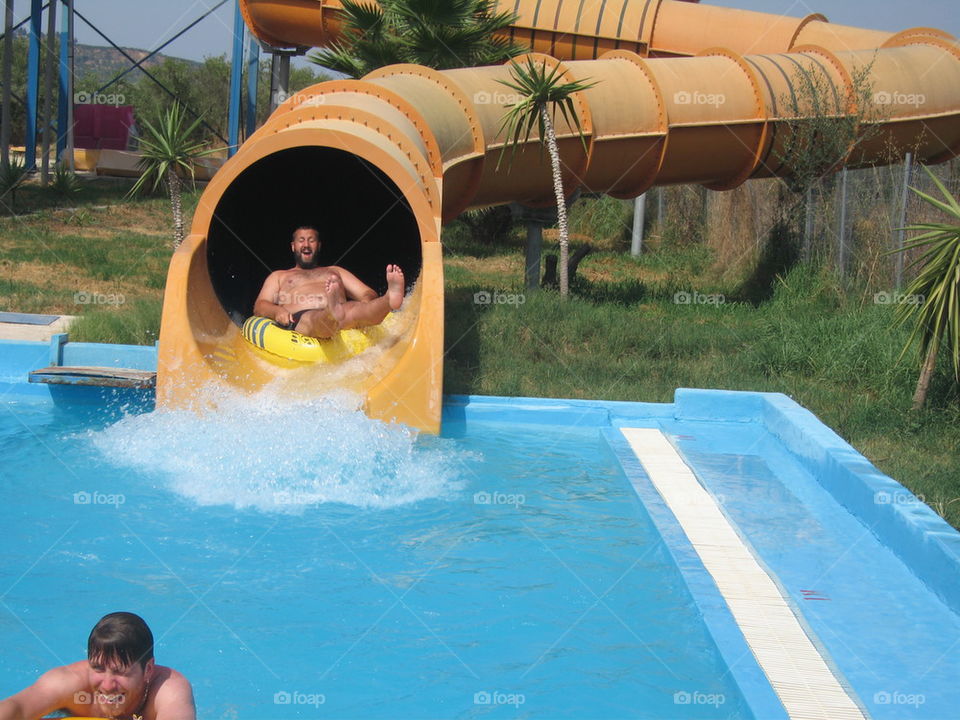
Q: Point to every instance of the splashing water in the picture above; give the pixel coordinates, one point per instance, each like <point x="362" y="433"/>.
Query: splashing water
<point x="274" y="455"/>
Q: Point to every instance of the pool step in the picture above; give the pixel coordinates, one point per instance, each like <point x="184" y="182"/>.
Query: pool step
<point x="95" y="376"/>
<point x="799" y="674"/>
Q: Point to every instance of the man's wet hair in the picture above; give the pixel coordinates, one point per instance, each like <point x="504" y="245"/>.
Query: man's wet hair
<point x="122" y="638"/>
<point x="304" y="227"/>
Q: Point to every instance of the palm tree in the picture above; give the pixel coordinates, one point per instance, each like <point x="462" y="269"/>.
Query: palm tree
<point x="441" y="34"/>
<point x="937" y="317"/>
<point x="542" y="93"/>
<point x="167" y="154"/>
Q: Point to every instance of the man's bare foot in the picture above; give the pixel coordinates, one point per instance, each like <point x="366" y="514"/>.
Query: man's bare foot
<point x="335" y="297"/>
<point x="395" y="286"/>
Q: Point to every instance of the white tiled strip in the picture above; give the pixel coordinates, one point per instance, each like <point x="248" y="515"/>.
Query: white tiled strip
<point x="797" y="672"/>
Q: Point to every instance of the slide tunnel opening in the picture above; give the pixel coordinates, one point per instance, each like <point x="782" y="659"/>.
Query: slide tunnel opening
<point x="365" y="223"/>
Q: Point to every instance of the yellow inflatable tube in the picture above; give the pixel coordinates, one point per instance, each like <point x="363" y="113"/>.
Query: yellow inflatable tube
<point x="264" y="333"/>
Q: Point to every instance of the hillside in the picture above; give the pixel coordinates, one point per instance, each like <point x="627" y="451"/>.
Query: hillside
<point x="104" y="63"/>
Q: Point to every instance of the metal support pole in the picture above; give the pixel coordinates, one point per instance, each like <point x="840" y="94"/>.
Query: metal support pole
<point x="279" y="78"/>
<point x="7" y="73"/>
<point x="51" y="54"/>
<point x="842" y="229"/>
<point x="907" y="168"/>
<point x="33" y="83"/>
<point x="808" y="225"/>
<point x="236" y="82"/>
<point x="253" y="81"/>
<point x="65" y="111"/>
<point x="533" y="250"/>
<point x="639" y="213"/>
<point x="660" y="191"/>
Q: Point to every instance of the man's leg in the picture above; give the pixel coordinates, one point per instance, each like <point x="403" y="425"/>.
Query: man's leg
<point x="325" y="321"/>
<point x="372" y="312"/>
<point x="319" y="323"/>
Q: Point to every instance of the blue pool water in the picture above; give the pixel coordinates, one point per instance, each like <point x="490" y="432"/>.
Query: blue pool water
<point x="308" y="562"/>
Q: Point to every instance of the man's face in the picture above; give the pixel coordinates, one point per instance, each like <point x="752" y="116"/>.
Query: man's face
<point x="116" y="690"/>
<point x="306" y="248"/>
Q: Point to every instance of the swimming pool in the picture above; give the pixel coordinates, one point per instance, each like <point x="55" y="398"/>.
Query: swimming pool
<point x="525" y="575"/>
<point x="304" y="561"/>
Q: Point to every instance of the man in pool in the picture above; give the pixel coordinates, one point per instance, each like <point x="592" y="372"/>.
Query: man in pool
<point x="119" y="679"/>
<point x="318" y="301"/>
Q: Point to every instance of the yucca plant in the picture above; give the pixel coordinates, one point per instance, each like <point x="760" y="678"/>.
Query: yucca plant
<point x="65" y="182"/>
<point x="12" y="175"/>
<point x="542" y="93"/>
<point x="167" y="154"/>
<point x="936" y="318"/>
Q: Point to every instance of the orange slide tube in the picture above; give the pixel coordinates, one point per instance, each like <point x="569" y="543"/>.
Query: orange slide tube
<point x="380" y="163"/>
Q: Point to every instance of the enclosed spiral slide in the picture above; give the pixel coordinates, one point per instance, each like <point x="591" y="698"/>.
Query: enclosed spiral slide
<point x="683" y="94"/>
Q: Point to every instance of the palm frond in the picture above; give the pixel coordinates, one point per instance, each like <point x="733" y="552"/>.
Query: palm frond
<point x="937" y="319"/>
<point x="539" y="88"/>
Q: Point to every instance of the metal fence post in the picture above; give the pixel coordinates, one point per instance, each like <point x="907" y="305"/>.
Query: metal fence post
<point x="639" y="214"/>
<point x="907" y="166"/>
<point x="842" y="230"/>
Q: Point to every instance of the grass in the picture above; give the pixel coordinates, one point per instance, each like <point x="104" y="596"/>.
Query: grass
<point x="621" y="336"/>
<point x="92" y="254"/>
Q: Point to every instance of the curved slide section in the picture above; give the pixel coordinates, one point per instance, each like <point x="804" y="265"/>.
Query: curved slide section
<point x="380" y="163"/>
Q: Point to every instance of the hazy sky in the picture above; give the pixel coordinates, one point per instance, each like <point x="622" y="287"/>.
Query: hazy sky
<point x="147" y="24"/>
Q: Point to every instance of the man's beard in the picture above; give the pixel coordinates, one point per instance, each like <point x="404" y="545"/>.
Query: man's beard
<point x="306" y="264"/>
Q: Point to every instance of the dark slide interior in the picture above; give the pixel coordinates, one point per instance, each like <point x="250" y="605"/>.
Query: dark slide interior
<point x="365" y="223"/>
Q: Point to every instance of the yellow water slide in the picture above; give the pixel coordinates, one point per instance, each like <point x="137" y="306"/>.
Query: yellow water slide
<point x="684" y="94"/>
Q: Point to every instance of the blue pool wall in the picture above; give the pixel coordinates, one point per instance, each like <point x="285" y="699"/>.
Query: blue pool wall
<point x="920" y="537"/>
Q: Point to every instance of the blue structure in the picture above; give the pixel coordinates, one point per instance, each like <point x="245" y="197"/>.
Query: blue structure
<point x="236" y="83"/>
<point x="33" y="83"/>
<point x="64" y="108"/>
<point x="236" y="78"/>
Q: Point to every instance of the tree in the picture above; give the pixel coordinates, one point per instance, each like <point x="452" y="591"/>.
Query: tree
<point x="822" y="128"/>
<point x="441" y="34"/>
<point x="167" y="152"/>
<point x="541" y="94"/>
<point x="936" y="315"/>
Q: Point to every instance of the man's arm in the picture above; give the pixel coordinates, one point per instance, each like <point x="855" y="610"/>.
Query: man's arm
<point x="53" y="690"/>
<point x="354" y="287"/>
<point x="174" y="700"/>
<point x="266" y="303"/>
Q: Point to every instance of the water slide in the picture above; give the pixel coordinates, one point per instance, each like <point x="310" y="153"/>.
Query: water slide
<point x="684" y="93"/>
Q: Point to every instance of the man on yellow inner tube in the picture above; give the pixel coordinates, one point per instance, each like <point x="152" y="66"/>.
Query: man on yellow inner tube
<point x="319" y="301"/>
<point x="119" y="679"/>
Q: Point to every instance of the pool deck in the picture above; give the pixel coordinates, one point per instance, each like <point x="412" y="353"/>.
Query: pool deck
<point x="35" y="333"/>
